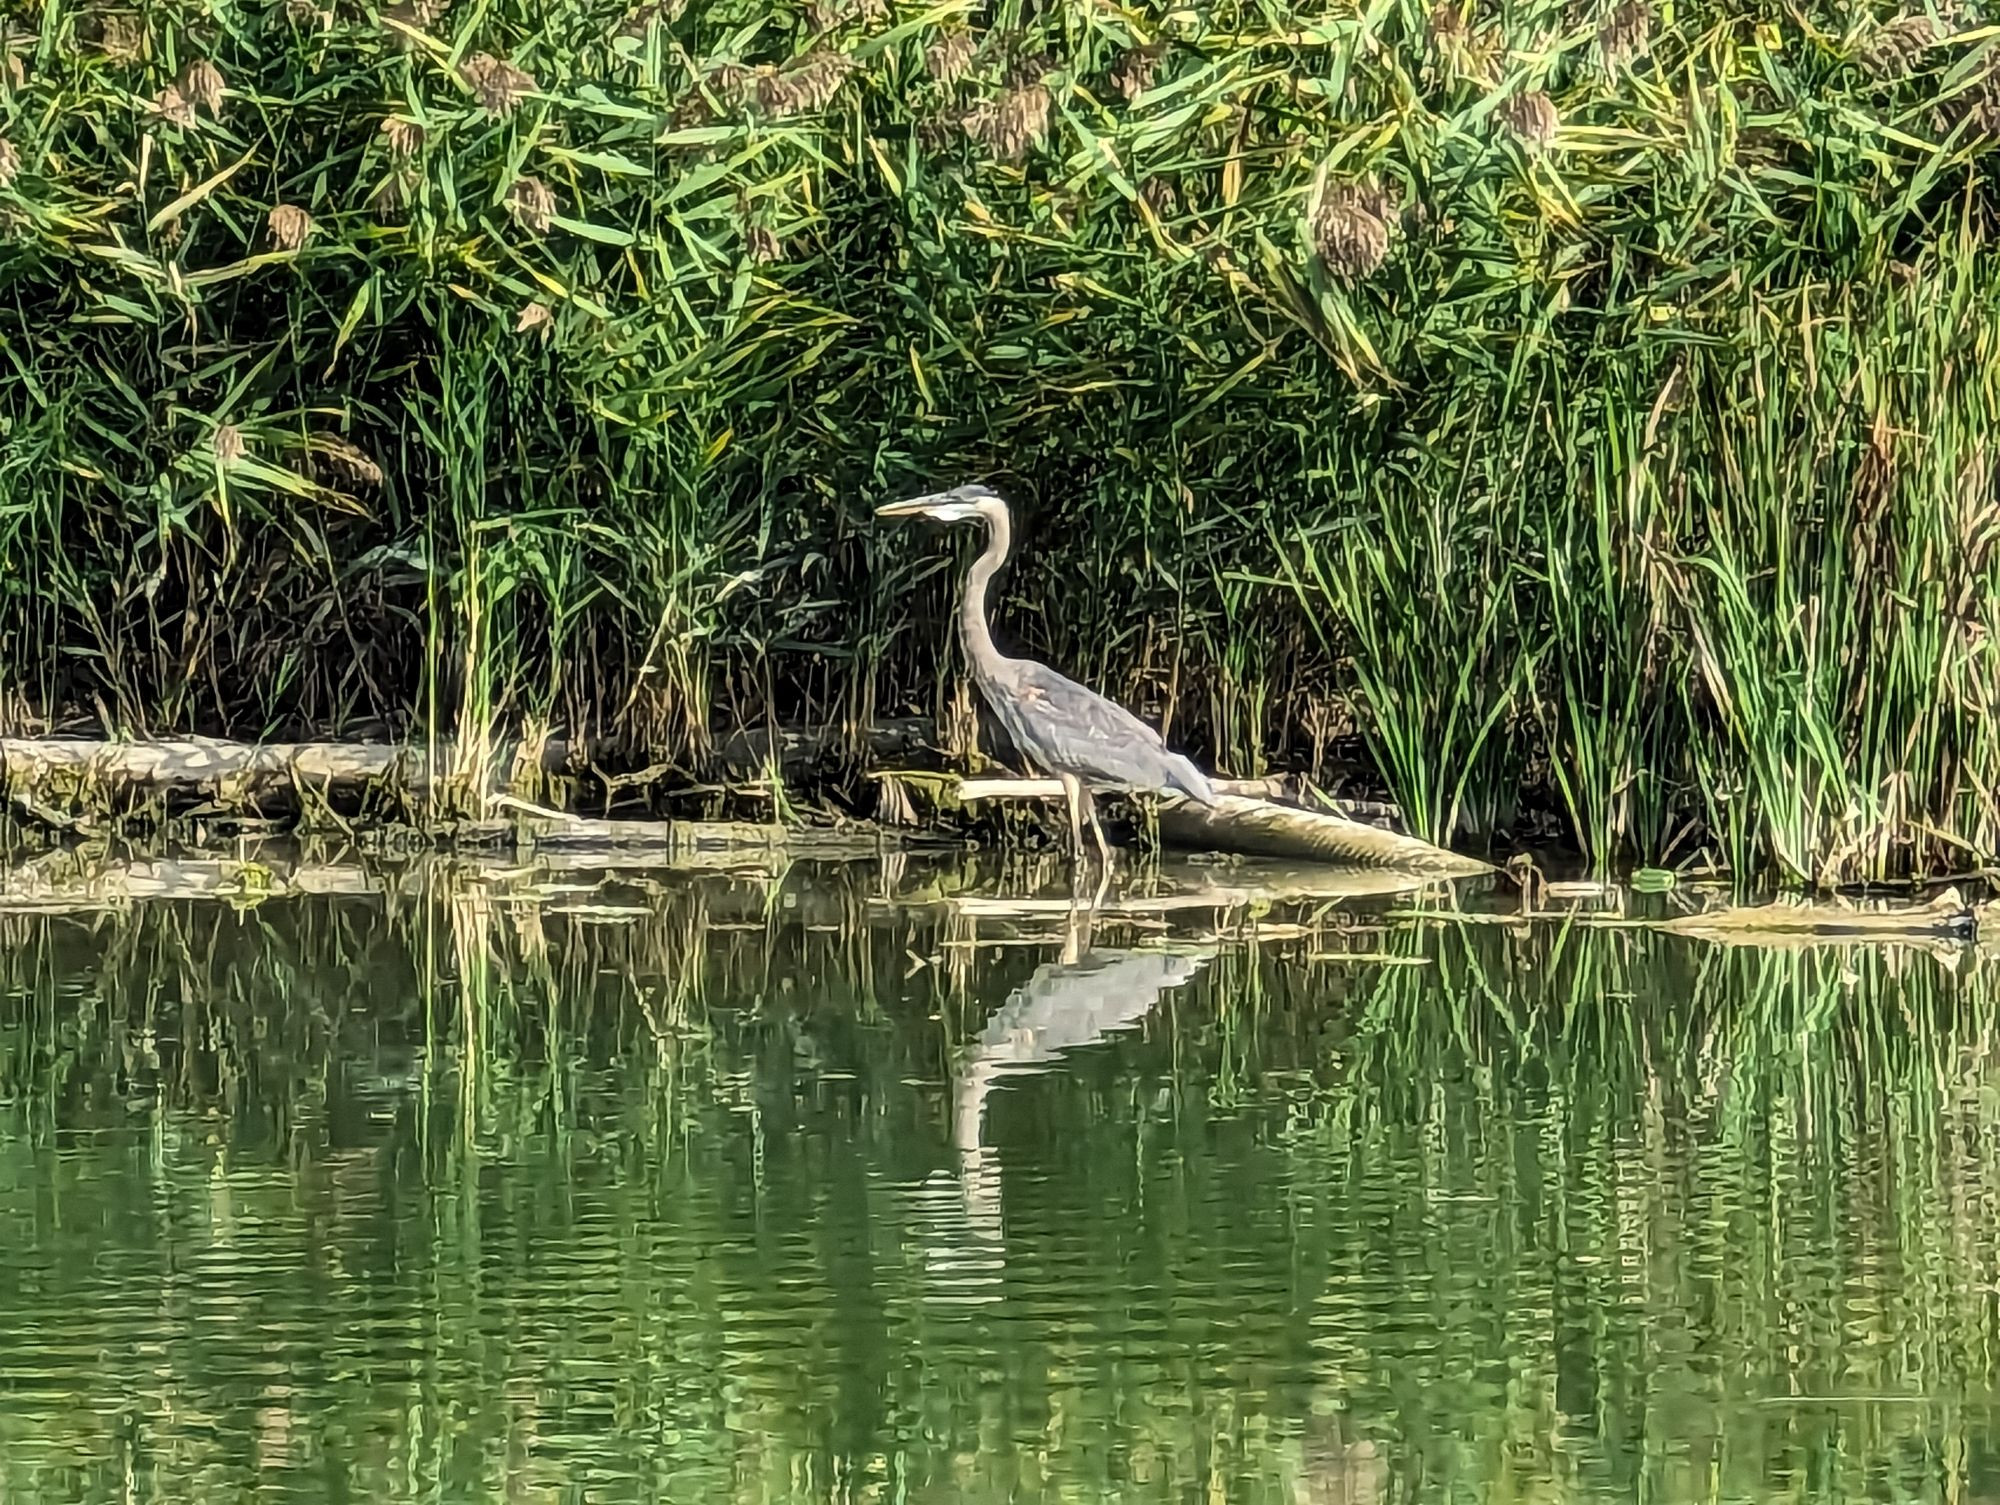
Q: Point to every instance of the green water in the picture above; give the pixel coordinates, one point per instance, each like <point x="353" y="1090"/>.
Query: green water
<point x="784" y="1192"/>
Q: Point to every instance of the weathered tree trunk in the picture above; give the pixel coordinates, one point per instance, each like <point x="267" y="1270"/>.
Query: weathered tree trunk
<point x="207" y="763"/>
<point x="1245" y="820"/>
<point x="210" y="763"/>
<point x="1263" y="828"/>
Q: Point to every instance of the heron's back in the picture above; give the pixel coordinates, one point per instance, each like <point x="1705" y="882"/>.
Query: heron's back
<point x="1067" y="728"/>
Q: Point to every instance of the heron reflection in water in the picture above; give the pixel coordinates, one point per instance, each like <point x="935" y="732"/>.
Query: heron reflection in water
<point x="1083" y="998"/>
<point x="1086" y="741"/>
<point x="1064" y="1006"/>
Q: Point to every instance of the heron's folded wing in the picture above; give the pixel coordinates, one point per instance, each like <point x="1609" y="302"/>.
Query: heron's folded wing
<point x="1085" y="732"/>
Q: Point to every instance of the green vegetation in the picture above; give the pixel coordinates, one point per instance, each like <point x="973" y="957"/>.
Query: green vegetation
<point x="1584" y="407"/>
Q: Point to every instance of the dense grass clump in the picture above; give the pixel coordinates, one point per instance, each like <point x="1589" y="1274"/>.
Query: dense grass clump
<point x="1586" y="405"/>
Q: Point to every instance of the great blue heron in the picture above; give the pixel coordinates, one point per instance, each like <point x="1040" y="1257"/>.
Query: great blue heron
<point x="1074" y="733"/>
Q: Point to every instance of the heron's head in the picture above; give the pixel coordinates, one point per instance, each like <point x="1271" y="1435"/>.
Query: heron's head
<point x="962" y="504"/>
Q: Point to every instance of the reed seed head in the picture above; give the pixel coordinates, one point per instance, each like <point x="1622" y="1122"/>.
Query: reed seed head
<point x="173" y="107"/>
<point x="10" y="162"/>
<point x="732" y="83"/>
<point x="1984" y="104"/>
<point x="807" y="86"/>
<point x="1013" y="123"/>
<point x="404" y="138"/>
<point x="773" y="95"/>
<point x="1893" y="50"/>
<point x="1028" y="67"/>
<point x="949" y="58"/>
<point x="344" y="459"/>
<point x="290" y="227"/>
<point x="1531" y="116"/>
<point x="227" y="444"/>
<point x="201" y="84"/>
<point x="537" y="320"/>
<point x="1133" y="73"/>
<point x="496" y="83"/>
<point x="1350" y="228"/>
<point x="532" y="203"/>
<point x="120" y="37"/>
<point x="1625" y="36"/>
<point x="1978" y="104"/>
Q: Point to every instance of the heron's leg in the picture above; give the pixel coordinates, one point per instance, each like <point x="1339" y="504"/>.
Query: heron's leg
<point x="1097" y="829"/>
<point x="1074" y="792"/>
<point x="1076" y="931"/>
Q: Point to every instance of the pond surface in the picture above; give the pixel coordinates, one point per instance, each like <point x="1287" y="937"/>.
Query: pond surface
<point x="783" y="1190"/>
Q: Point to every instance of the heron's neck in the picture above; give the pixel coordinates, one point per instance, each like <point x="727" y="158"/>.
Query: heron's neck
<point x="972" y="628"/>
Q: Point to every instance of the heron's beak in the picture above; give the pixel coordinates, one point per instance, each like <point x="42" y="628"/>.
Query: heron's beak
<point x="916" y="506"/>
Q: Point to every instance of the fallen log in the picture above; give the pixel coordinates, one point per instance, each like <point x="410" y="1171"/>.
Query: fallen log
<point x="1245" y="822"/>
<point x="1263" y="828"/>
<point x="209" y="763"/>
<point x="1279" y="788"/>
<point x="1948" y="916"/>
